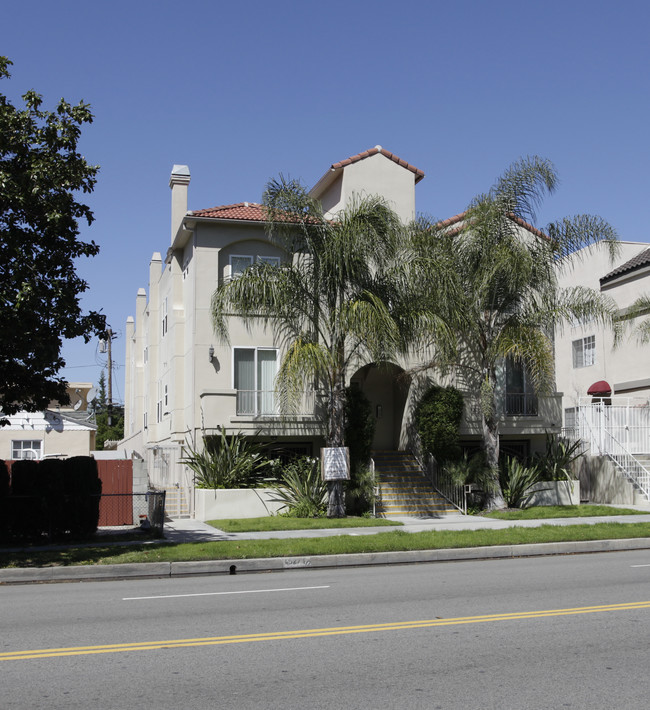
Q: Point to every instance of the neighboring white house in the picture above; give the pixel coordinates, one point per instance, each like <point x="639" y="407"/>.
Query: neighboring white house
<point x="58" y="431"/>
<point x="585" y="353"/>
<point x="182" y="383"/>
<point x="606" y="387"/>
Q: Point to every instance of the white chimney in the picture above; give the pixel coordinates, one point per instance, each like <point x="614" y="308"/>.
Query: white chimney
<point x="178" y="181"/>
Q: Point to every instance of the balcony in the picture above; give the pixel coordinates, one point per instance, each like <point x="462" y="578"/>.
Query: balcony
<point x="520" y="404"/>
<point x="256" y="403"/>
<point x="264" y="403"/>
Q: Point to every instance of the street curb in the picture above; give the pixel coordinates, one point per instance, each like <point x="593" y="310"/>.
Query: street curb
<point x="81" y="573"/>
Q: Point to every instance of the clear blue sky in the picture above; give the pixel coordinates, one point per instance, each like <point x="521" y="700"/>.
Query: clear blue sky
<point x="242" y="91"/>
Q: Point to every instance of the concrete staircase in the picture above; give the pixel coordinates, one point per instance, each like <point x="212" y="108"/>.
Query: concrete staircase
<point x="177" y="502"/>
<point x="404" y="490"/>
<point x="636" y="469"/>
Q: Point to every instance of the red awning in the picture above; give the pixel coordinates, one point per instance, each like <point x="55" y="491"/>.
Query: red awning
<point x="600" y="388"/>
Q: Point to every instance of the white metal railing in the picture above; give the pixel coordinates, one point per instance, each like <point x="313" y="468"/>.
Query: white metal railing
<point x="265" y="403"/>
<point x="454" y="493"/>
<point x="592" y="430"/>
<point x="631" y="467"/>
<point x="624" y="419"/>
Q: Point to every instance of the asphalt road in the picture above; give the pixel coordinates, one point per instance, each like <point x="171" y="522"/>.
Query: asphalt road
<point x="560" y="632"/>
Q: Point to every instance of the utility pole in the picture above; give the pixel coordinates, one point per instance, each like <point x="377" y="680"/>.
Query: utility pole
<point x="109" y="366"/>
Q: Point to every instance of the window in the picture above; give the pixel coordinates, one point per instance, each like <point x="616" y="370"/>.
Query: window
<point x="27" y="449"/>
<point x="571" y="418"/>
<point x="254" y="372"/>
<point x="270" y="260"/>
<point x="239" y="264"/>
<point x="159" y="403"/>
<point x="521" y="399"/>
<point x="584" y="351"/>
<point x="164" y="316"/>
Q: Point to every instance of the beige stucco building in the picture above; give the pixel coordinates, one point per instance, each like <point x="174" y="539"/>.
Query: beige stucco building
<point x="59" y="431"/>
<point x="182" y="383"/>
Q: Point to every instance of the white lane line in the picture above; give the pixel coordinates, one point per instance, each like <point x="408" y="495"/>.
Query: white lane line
<point x="214" y="594"/>
<point x="639" y="565"/>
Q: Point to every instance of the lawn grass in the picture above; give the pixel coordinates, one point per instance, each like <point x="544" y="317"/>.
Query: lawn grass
<point x="541" y="512"/>
<point x="279" y="522"/>
<point x="396" y="540"/>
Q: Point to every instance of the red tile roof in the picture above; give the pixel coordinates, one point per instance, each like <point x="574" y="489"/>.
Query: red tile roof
<point x="636" y="262"/>
<point x="517" y="220"/>
<point x="386" y="153"/>
<point x="250" y="211"/>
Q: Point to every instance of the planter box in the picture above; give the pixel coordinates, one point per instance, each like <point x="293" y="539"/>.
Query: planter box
<point x="556" y="493"/>
<point x="211" y="504"/>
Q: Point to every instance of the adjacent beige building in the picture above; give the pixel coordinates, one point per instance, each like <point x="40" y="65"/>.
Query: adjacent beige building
<point x="182" y="383"/>
<point x="59" y="431"/>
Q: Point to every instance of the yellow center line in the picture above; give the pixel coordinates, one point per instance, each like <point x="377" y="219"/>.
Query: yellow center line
<point x="313" y="633"/>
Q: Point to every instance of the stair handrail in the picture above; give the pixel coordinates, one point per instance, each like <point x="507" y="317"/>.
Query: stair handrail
<point x="376" y="490"/>
<point x="627" y="458"/>
<point x="451" y="492"/>
<point x="625" y="467"/>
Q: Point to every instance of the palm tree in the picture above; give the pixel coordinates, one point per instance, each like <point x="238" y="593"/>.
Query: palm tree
<point x="327" y="302"/>
<point x="639" y="309"/>
<point x="486" y="281"/>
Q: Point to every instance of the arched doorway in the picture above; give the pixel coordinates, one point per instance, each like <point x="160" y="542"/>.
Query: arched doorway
<point x="386" y="387"/>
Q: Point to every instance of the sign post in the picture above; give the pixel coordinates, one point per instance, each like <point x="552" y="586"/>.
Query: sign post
<point x="335" y="468"/>
<point x="335" y="463"/>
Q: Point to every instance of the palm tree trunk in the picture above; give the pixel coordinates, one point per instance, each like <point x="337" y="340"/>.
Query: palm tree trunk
<point x="335" y="437"/>
<point x="491" y="447"/>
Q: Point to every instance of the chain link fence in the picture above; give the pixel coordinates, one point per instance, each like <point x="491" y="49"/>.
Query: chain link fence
<point x="47" y="518"/>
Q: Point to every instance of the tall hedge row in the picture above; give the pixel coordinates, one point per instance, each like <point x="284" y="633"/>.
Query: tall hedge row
<point x="50" y="499"/>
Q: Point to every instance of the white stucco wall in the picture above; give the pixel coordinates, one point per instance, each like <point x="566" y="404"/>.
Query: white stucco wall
<point x="627" y="363"/>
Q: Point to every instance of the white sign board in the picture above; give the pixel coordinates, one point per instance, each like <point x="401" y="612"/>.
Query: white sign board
<point x="335" y="463"/>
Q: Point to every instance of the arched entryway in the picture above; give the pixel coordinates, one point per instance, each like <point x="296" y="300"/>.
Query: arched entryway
<point x="386" y="387"/>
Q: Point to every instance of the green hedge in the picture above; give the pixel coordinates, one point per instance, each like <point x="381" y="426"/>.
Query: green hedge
<point x="50" y="499"/>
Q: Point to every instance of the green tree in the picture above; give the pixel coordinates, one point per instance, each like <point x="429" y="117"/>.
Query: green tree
<point x="484" y="287"/>
<point x="327" y="302"/>
<point x="41" y="174"/>
<point x="438" y="416"/>
<point x="110" y="424"/>
<point x="639" y="310"/>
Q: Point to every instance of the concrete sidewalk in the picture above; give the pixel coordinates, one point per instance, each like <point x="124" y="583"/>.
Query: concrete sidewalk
<point x="186" y="530"/>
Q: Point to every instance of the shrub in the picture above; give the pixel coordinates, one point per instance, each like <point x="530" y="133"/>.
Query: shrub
<point x="556" y="462"/>
<point x="302" y="489"/>
<point x="83" y="488"/>
<point x="359" y="427"/>
<point x="437" y="419"/>
<point x="359" y="433"/>
<point x="233" y="461"/>
<point x="360" y="492"/>
<point x="517" y="481"/>
<point x="4" y="479"/>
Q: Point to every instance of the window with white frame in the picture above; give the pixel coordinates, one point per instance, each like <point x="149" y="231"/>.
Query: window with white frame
<point x="584" y="351"/>
<point x="254" y="371"/>
<point x="27" y="449"/>
<point x="240" y="262"/>
<point x="164" y="316"/>
<point x="270" y="260"/>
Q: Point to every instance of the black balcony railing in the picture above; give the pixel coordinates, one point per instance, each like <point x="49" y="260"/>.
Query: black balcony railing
<point x="520" y="404"/>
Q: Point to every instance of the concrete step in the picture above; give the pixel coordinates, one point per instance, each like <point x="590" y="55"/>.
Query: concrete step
<point x="404" y="490"/>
